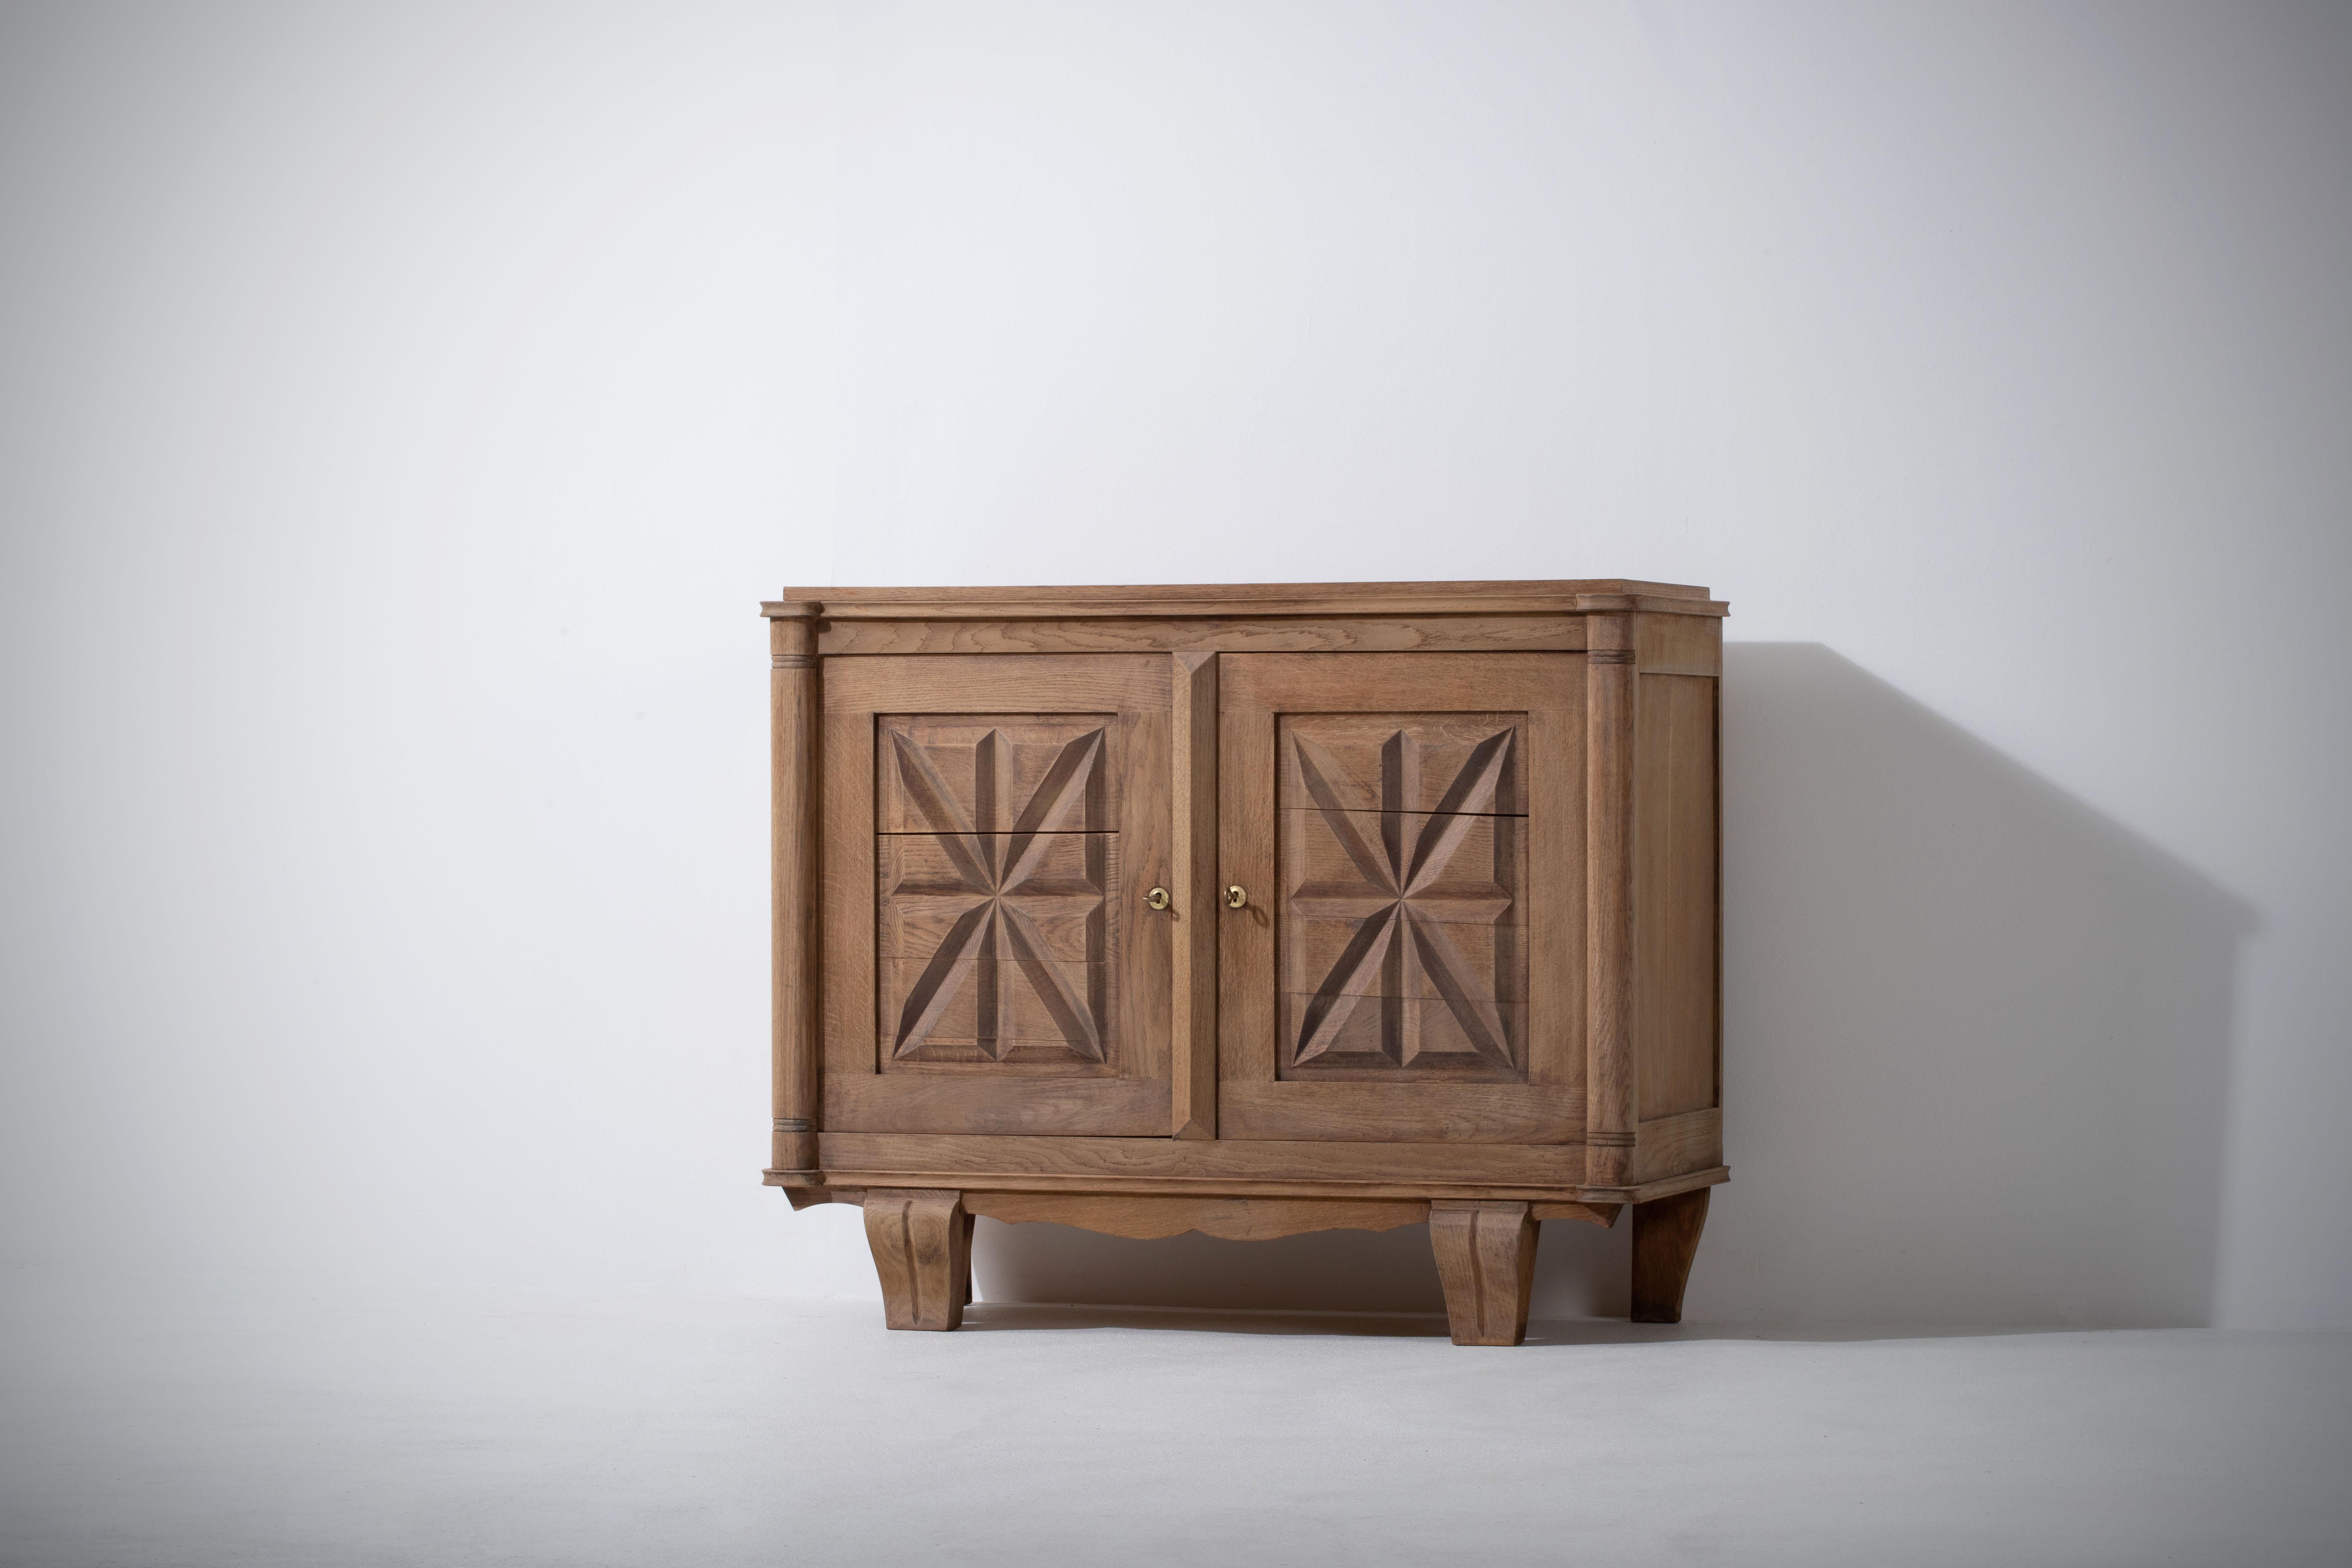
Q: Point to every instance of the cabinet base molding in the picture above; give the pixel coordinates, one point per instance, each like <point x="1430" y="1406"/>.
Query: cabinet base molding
<point x="1599" y="1204"/>
<point x="1148" y="1217"/>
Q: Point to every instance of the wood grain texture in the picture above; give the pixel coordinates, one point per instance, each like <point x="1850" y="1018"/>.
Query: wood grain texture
<point x="852" y="1049"/>
<point x="1246" y="990"/>
<point x="1678" y="644"/>
<point x="1487" y="1260"/>
<point x="1610" y="699"/>
<point x="1400" y="944"/>
<point x="1034" y="684"/>
<point x="996" y="948"/>
<point x="995" y="773"/>
<point x="1665" y="1239"/>
<point x="1477" y="967"/>
<point x="1272" y="634"/>
<point x="947" y="1101"/>
<point x="1368" y="1113"/>
<point x="1664" y="1188"/>
<point x="1410" y="934"/>
<point x="1145" y="1218"/>
<point x="845" y="1185"/>
<point x="1445" y="684"/>
<point x="795" y="861"/>
<point x="1194" y="891"/>
<point x="1409" y="760"/>
<point x="1675" y="1022"/>
<point x="1675" y="1145"/>
<point x="986" y="853"/>
<point x="1555" y="896"/>
<point x="1518" y="1165"/>
<point x="1300" y="599"/>
<point x="922" y="1241"/>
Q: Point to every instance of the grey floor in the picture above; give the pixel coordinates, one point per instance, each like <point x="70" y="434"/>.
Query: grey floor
<point x="154" y="1423"/>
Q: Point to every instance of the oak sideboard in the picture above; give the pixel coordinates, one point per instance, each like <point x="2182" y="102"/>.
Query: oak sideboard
<point x="1250" y="911"/>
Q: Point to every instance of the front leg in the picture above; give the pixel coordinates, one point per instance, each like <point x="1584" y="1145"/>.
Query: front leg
<point x="922" y="1250"/>
<point x="1487" y="1260"/>
<point x="1665" y="1239"/>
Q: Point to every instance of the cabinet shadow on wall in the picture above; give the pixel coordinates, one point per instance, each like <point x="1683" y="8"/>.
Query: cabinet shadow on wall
<point x="1977" y="1042"/>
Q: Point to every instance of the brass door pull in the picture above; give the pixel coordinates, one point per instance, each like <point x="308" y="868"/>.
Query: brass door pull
<point x="1234" y="896"/>
<point x="1157" y="898"/>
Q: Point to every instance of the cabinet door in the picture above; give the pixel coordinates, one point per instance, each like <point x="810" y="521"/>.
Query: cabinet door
<point x="991" y="825"/>
<point x="1408" y="832"/>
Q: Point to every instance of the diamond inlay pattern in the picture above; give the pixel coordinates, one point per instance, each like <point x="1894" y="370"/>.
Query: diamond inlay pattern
<point x="997" y="871"/>
<point x="1403" y="848"/>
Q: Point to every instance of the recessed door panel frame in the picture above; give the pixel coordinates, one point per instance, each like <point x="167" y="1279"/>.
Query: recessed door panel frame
<point x="1255" y="1101"/>
<point x="875" y="1081"/>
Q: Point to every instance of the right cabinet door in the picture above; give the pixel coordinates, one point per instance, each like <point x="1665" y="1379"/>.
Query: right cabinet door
<point x="1408" y="833"/>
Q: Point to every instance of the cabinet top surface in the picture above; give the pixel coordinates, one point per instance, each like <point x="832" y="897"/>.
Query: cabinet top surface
<point x="1570" y="596"/>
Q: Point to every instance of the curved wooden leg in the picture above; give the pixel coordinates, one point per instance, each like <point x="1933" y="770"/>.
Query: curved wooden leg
<point x="922" y="1251"/>
<point x="1665" y="1239"/>
<point x="1486" y="1260"/>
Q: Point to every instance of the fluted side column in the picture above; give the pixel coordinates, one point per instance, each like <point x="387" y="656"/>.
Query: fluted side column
<point x="1609" y="697"/>
<point x="794" y="699"/>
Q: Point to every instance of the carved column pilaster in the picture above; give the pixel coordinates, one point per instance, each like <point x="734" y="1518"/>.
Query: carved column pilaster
<point x="1610" y="694"/>
<point x="794" y="697"/>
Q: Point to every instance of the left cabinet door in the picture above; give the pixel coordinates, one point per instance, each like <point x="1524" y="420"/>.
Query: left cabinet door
<point x="991" y="826"/>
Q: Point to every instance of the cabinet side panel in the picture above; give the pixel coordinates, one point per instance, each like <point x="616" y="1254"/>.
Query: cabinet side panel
<point x="1679" y="644"/>
<point x="1674" y="1020"/>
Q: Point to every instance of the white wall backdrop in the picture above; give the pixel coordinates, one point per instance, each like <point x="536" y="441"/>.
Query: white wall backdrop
<point x="403" y="409"/>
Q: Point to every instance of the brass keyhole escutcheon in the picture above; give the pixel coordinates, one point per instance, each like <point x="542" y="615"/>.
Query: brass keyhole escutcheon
<point x="1235" y="898"/>
<point x="1157" y="898"/>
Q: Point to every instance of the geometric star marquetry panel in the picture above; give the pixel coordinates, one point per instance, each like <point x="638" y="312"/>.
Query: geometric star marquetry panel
<point x="998" y="864"/>
<point x="1401" y="943"/>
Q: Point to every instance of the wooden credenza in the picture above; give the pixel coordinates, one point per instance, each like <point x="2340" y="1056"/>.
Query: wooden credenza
<point x="1250" y="911"/>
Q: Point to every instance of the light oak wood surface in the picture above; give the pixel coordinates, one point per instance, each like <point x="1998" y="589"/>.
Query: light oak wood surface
<point x="1194" y="601"/>
<point x="1609" y="844"/>
<point x="1669" y="1145"/>
<point x="1515" y="1164"/>
<point x="1678" y="644"/>
<point x="1487" y="1261"/>
<point x="1408" y="925"/>
<point x="1357" y="1110"/>
<point x="1597" y="1206"/>
<point x="1249" y="909"/>
<point x="1665" y="1240"/>
<point x="922" y="1242"/>
<point x="990" y="828"/>
<point x="794" y="837"/>
<point x="1265" y="633"/>
<point x="1195" y="896"/>
<point x="1674" y="1006"/>
<point x="1148" y="1218"/>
